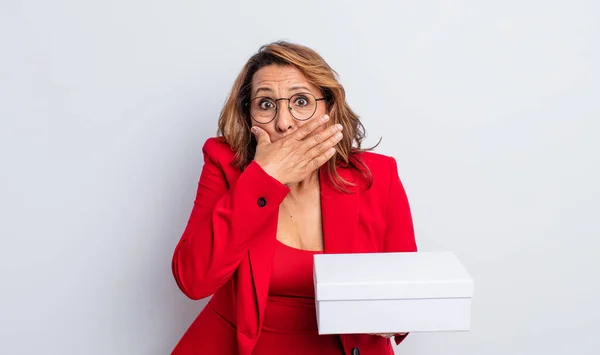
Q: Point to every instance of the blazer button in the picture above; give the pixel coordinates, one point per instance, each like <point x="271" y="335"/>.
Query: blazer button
<point x="262" y="202"/>
<point x="355" y="351"/>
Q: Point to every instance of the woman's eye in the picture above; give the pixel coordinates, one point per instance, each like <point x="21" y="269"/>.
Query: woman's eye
<point x="266" y="105"/>
<point x="301" y="101"/>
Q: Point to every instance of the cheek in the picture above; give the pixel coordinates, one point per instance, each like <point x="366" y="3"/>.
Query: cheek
<point x="321" y="109"/>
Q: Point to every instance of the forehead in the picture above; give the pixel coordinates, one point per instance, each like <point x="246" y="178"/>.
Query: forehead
<point x="280" y="78"/>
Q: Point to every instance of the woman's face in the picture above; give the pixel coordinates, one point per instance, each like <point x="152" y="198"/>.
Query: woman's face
<point x="275" y="82"/>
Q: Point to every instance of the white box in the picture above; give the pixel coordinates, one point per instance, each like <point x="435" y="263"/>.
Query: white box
<point x="391" y="293"/>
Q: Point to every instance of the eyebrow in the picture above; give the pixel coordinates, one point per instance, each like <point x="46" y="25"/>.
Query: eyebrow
<point x="293" y="88"/>
<point x="263" y="89"/>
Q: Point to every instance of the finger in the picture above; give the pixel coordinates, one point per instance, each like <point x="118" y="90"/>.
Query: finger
<point x="323" y="147"/>
<point x="316" y="163"/>
<point x="261" y="135"/>
<point x="309" y="127"/>
<point x="320" y="136"/>
<point x="386" y="335"/>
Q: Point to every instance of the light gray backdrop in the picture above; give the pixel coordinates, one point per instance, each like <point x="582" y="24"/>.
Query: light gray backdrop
<point x="491" y="108"/>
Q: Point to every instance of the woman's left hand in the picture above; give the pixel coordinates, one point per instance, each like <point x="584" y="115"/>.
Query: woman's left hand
<point x="389" y="335"/>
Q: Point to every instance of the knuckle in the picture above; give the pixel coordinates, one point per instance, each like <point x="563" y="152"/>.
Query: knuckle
<point x="320" y="148"/>
<point x="317" y="138"/>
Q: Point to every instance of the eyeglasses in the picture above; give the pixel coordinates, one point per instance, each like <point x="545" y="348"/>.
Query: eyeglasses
<point x="302" y="106"/>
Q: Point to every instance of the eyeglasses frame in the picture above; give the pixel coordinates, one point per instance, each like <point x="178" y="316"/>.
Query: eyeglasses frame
<point x="288" y="99"/>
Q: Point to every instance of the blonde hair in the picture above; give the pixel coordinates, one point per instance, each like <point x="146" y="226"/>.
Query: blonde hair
<point x="234" y="121"/>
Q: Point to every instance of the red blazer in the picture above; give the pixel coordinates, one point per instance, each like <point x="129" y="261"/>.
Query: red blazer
<point x="229" y="240"/>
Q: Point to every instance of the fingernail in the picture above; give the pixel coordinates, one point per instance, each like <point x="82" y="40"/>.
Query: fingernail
<point x="325" y="118"/>
<point x="338" y="127"/>
<point x="253" y="129"/>
<point x="338" y="136"/>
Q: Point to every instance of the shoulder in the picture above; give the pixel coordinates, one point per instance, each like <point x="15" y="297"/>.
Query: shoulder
<point x="374" y="159"/>
<point x="218" y="150"/>
<point x="378" y="164"/>
<point x="376" y="171"/>
<point x="215" y="144"/>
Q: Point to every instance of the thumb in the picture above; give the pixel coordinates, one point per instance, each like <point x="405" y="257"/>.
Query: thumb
<point x="261" y="135"/>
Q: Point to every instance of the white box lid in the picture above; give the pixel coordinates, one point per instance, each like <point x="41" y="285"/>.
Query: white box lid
<point x="390" y="276"/>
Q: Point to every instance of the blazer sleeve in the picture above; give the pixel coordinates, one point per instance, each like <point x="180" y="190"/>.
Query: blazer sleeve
<point x="399" y="235"/>
<point x="223" y="223"/>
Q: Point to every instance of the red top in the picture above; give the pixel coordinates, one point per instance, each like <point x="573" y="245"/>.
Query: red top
<point x="291" y="291"/>
<point x="290" y="320"/>
<point x="292" y="272"/>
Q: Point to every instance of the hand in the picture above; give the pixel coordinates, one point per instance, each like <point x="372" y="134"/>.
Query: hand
<point x="389" y="335"/>
<point x="293" y="158"/>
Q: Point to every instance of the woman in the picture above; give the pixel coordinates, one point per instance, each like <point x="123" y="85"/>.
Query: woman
<point x="285" y="179"/>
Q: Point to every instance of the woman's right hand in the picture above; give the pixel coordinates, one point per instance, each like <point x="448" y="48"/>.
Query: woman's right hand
<point x="292" y="159"/>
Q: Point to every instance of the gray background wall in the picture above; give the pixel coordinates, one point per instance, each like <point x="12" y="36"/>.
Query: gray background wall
<point x="491" y="108"/>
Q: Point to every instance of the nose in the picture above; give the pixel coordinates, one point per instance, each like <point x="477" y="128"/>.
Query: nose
<point x="284" y="121"/>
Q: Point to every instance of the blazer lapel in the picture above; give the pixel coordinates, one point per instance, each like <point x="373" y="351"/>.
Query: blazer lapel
<point x="340" y="213"/>
<point x="261" y="259"/>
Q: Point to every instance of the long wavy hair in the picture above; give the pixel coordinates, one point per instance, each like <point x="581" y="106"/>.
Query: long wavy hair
<point x="235" y="120"/>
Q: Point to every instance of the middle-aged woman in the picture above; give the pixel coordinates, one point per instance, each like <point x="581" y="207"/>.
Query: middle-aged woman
<point x="285" y="179"/>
